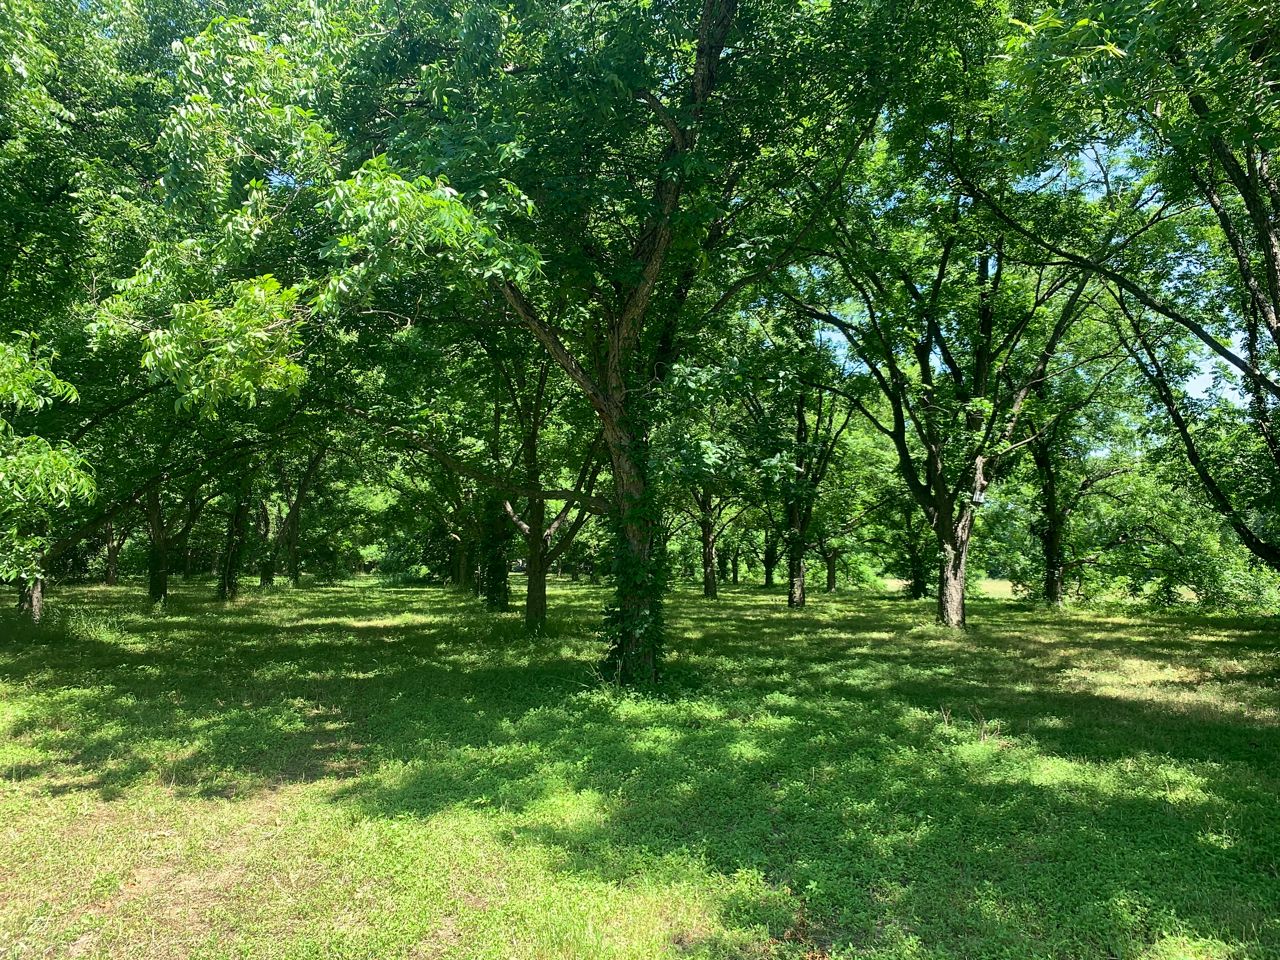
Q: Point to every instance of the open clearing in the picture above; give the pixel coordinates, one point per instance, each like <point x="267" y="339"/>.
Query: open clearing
<point x="376" y="772"/>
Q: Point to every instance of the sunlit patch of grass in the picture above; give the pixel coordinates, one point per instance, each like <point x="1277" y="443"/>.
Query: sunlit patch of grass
<point x="366" y="771"/>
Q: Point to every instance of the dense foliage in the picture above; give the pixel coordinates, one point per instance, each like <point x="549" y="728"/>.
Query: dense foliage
<point x="642" y="291"/>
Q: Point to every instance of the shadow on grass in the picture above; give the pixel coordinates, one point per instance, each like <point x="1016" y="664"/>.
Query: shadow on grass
<point x="1047" y="785"/>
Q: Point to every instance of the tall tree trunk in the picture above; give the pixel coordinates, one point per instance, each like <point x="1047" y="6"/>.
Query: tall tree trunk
<point x="536" y="549"/>
<point x="267" y="568"/>
<point x="266" y="546"/>
<point x="292" y="523"/>
<point x="229" y="567"/>
<point x="737" y="551"/>
<point x="31" y="598"/>
<point x="707" y="533"/>
<point x="770" y="560"/>
<point x="623" y="377"/>
<point x="831" y="559"/>
<point x="635" y="623"/>
<point x="112" y="575"/>
<point x="795" y="575"/>
<point x="1053" y="549"/>
<point x="918" y="585"/>
<point x="795" y="538"/>
<point x="157" y="549"/>
<point x="181" y="545"/>
<point x="495" y="567"/>
<point x="535" y="601"/>
<point x="1055" y="568"/>
<point x="1051" y="526"/>
<point x="953" y="556"/>
<point x="463" y="568"/>
<point x="292" y="562"/>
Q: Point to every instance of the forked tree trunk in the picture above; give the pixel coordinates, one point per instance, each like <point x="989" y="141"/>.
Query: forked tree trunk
<point x="831" y="559"/>
<point x="707" y="531"/>
<point x="292" y="524"/>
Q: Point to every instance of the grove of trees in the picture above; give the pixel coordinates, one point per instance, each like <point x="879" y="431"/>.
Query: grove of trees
<point x="746" y="291"/>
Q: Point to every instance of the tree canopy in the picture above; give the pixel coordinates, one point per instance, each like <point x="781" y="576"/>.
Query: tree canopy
<point x="643" y="291"/>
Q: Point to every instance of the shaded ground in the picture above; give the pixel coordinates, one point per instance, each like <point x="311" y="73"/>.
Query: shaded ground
<point x="362" y="771"/>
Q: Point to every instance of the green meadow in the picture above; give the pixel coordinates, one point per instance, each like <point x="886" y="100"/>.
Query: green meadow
<point x="362" y="771"/>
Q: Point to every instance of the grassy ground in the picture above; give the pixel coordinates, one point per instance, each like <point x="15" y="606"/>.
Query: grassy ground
<point x="372" y="772"/>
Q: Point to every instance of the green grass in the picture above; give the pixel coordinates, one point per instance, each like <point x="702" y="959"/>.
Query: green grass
<point x="370" y="772"/>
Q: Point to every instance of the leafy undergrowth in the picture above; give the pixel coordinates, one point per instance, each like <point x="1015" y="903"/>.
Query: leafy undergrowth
<point x="375" y="772"/>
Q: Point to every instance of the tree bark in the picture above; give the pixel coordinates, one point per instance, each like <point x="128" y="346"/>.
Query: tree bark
<point x="293" y="564"/>
<point x="292" y="524"/>
<point x="635" y="624"/>
<point x="733" y="566"/>
<point x="157" y="550"/>
<point x="463" y="572"/>
<point x="707" y="532"/>
<point x="770" y="560"/>
<point x="229" y="567"/>
<point x="495" y="569"/>
<point x="795" y="537"/>
<point x="1054" y="567"/>
<point x="954" y="555"/>
<point x="111" y="575"/>
<point x="831" y="559"/>
<point x="181" y="545"/>
<point x="1050" y="528"/>
<point x="268" y="534"/>
<point x="31" y="598"/>
<point x="918" y="585"/>
<point x="535" y="602"/>
<point x="795" y="573"/>
<point x="267" y="569"/>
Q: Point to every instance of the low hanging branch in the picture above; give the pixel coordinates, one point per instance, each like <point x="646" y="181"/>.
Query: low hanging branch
<point x="584" y="486"/>
<point x="1145" y="357"/>
<point x="460" y="467"/>
<point x="1098" y="266"/>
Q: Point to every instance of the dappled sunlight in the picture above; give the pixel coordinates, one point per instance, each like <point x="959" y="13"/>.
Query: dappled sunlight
<point x="403" y="772"/>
